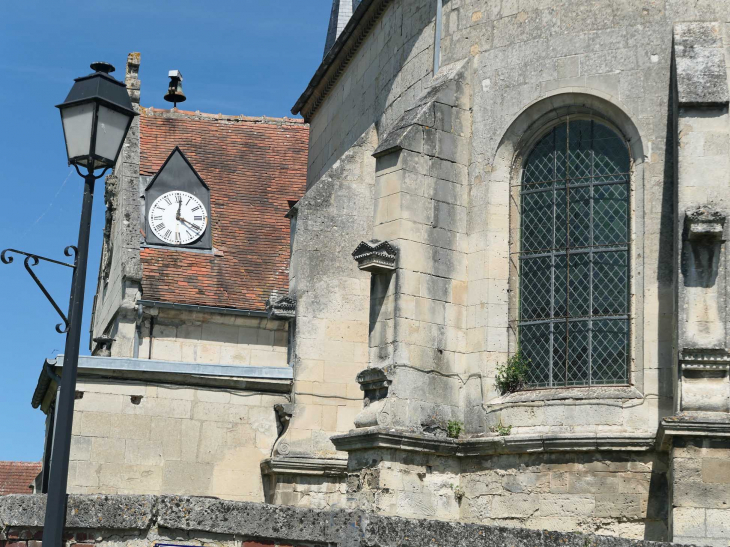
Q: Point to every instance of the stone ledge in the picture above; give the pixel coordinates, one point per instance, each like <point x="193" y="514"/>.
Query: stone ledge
<point x="561" y="394"/>
<point x="378" y="437"/>
<point x="693" y="424"/>
<point x="320" y="467"/>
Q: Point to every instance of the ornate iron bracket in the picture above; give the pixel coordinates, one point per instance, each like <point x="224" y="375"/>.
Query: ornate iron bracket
<point x="33" y="260"/>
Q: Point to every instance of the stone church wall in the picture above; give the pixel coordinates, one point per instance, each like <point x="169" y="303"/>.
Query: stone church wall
<point x="532" y="62"/>
<point x="623" y="494"/>
<point x="522" y="66"/>
<point x="524" y="62"/>
<point x="196" y="337"/>
<point x="384" y="78"/>
<point x="330" y="338"/>
<point x="146" y="438"/>
<point x="700" y="471"/>
<point x="604" y="493"/>
<point x="120" y="269"/>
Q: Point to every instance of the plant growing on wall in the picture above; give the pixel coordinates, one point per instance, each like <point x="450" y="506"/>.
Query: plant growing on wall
<point x="454" y="429"/>
<point x="458" y="493"/>
<point x="502" y="430"/>
<point x="512" y="376"/>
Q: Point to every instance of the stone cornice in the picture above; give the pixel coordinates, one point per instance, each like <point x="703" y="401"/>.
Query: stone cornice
<point x="377" y="437"/>
<point x="704" y="359"/>
<point x="339" y="56"/>
<point x="320" y="467"/>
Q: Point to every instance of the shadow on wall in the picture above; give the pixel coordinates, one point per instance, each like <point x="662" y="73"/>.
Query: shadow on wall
<point x="666" y="265"/>
<point x="700" y="263"/>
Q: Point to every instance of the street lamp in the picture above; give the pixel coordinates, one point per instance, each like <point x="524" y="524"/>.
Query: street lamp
<point x="96" y="117"/>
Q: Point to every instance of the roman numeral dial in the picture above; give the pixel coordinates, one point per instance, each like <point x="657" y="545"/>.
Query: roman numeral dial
<point x="178" y="218"/>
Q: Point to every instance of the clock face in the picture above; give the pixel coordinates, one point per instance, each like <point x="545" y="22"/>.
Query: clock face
<point x="178" y="218"/>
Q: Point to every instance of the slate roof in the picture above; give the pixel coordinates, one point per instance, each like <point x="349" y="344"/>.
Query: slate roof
<point x="253" y="167"/>
<point x="16" y="477"/>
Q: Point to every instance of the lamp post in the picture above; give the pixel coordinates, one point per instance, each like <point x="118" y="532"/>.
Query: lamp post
<point x="96" y="117"/>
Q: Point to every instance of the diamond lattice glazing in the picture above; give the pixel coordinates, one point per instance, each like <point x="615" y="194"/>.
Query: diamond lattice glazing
<point x="574" y="269"/>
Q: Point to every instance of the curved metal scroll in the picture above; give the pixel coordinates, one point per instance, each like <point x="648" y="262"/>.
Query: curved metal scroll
<point x="33" y="260"/>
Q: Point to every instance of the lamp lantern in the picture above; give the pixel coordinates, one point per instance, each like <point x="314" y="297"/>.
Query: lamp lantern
<point x="96" y="116"/>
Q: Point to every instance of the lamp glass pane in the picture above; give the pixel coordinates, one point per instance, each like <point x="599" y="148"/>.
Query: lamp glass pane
<point x="77" y="128"/>
<point x="110" y="129"/>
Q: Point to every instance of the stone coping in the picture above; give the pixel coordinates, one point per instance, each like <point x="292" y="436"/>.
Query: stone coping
<point x="198" y="115"/>
<point x="321" y="467"/>
<point x="109" y="515"/>
<point x="379" y="437"/>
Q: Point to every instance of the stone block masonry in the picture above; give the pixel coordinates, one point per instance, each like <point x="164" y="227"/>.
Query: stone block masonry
<point x="137" y="437"/>
<point x="700" y="471"/>
<point x="618" y="492"/>
<point x="104" y="521"/>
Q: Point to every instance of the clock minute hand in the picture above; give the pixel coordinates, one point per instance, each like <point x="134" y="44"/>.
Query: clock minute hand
<point x="191" y="224"/>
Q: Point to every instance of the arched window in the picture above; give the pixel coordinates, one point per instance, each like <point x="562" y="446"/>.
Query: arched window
<point x="574" y="257"/>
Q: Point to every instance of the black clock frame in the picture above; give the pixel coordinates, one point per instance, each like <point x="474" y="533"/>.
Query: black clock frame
<point x="178" y="174"/>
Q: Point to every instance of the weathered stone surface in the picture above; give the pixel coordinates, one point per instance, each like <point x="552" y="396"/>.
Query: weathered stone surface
<point x="105" y="512"/>
<point x="113" y="512"/>
<point x="700" y="64"/>
<point x="22" y="510"/>
<point x="228" y="517"/>
<point x="108" y="515"/>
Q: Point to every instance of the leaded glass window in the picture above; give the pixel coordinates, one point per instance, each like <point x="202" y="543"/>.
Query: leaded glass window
<point x="574" y="257"/>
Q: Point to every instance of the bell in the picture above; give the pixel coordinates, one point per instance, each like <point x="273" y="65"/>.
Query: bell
<point x="175" y="91"/>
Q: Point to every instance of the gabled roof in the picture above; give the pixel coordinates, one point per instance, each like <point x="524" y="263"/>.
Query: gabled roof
<point x="179" y="152"/>
<point x="253" y="167"/>
<point x="17" y="477"/>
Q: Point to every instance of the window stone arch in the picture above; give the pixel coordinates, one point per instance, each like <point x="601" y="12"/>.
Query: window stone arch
<point x="504" y="163"/>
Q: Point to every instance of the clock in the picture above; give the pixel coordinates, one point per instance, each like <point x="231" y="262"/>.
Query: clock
<point x="178" y="218"/>
<point x="177" y="207"/>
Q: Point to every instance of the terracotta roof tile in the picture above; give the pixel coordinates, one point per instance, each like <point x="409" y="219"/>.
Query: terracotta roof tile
<point x="253" y="166"/>
<point x="16" y="477"/>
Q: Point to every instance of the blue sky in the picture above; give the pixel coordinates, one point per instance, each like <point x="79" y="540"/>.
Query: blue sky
<point x="237" y="57"/>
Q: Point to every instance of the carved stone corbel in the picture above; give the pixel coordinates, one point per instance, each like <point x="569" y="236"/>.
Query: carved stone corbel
<point x="705" y="224"/>
<point x="374" y="382"/>
<point x="281" y="307"/>
<point x="375" y="256"/>
<point x="284" y="413"/>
